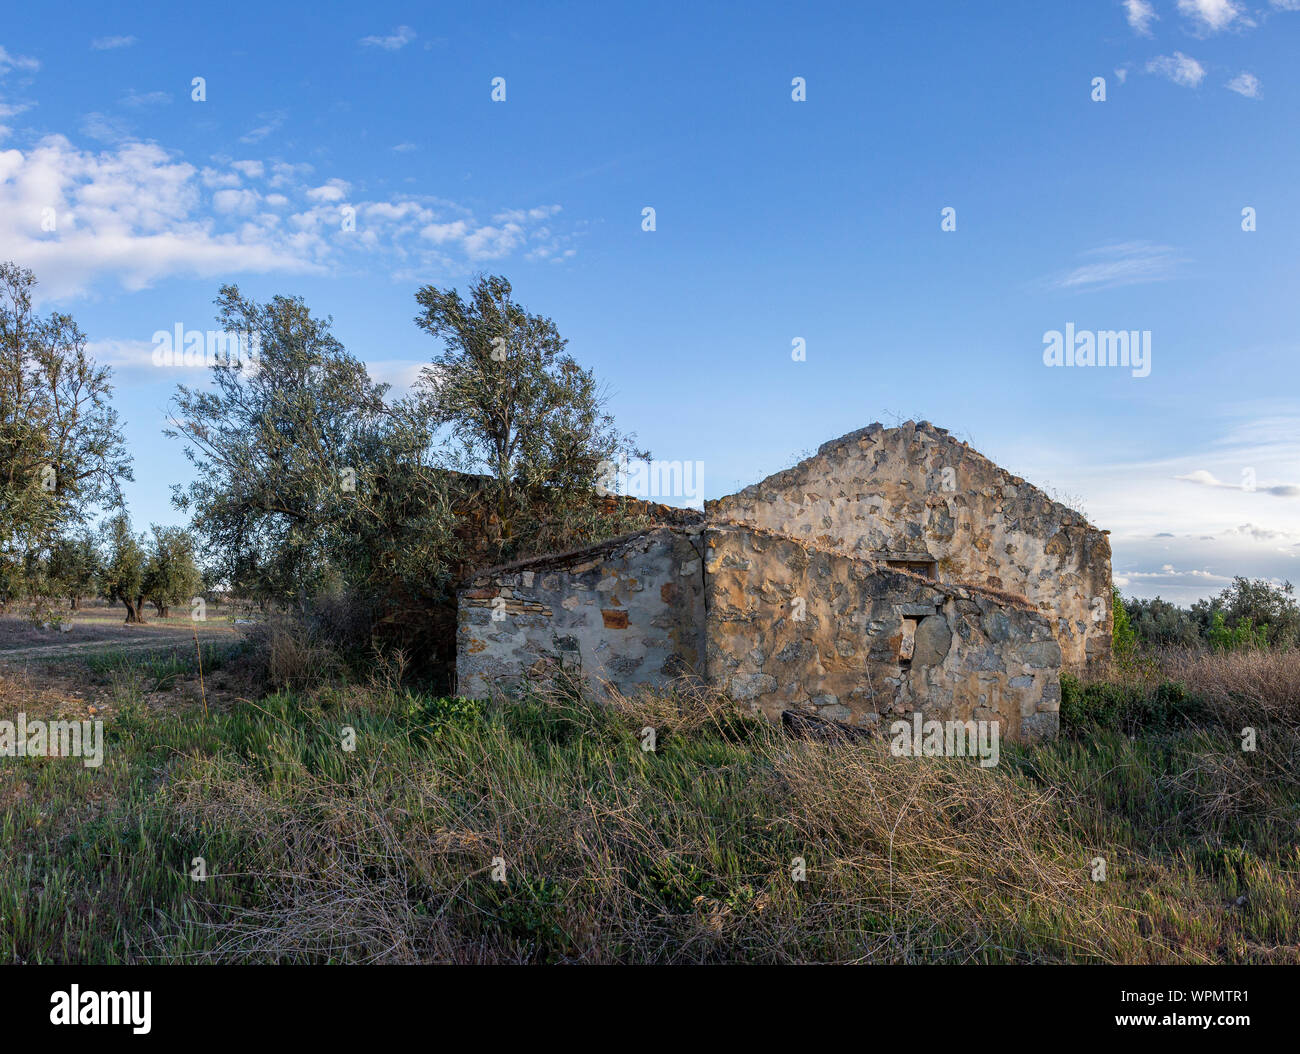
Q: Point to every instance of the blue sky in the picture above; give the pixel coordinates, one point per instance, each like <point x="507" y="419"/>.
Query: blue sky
<point x="774" y="220"/>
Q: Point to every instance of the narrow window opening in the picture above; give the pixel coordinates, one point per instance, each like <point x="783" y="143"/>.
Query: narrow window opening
<point x="925" y="568"/>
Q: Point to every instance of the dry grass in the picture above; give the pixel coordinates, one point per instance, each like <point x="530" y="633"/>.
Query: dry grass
<point x="1241" y="686"/>
<point x="729" y="842"/>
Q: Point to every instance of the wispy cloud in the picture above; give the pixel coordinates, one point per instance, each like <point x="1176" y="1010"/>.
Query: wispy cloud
<point x="271" y="122"/>
<point x="1129" y="263"/>
<point x="105" y="129"/>
<point x="17" y="62"/>
<point x="1246" y="84"/>
<point x="1207" y="479"/>
<point x="152" y="98"/>
<point x="111" y="43"/>
<point x="1179" y="68"/>
<point x="397" y="40"/>
<point x="1140" y="16"/>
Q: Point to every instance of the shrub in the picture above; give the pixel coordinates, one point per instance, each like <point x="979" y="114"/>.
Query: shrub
<point x="287" y="655"/>
<point x="1245" y="634"/>
<point x="1126" y="708"/>
<point x="1122" y="635"/>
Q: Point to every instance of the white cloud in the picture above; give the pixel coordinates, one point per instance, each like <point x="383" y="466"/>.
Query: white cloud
<point x="1179" y="68"/>
<point x="122" y="354"/>
<point x="400" y="37"/>
<point x="215" y="179"/>
<point x="243" y="202"/>
<point x="404" y="148"/>
<point x="17" y="62"/>
<point x="439" y="233"/>
<point x="1140" y="16"/>
<point x="1246" y="84"/>
<point x="1213" y="16"/>
<point x="333" y="190"/>
<point x="1128" y="263"/>
<point x="111" y="43"/>
<point x="134" y="214"/>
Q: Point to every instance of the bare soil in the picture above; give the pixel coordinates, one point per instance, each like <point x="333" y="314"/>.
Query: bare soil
<point x="101" y="629"/>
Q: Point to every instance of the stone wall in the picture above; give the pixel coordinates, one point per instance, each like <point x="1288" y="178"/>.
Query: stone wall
<point x="915" y="495"/>
<point x="628" y="612"/>
<point x="793" y="626"/>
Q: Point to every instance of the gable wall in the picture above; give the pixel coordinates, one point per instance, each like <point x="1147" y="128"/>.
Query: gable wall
<point x="904" y="492"/>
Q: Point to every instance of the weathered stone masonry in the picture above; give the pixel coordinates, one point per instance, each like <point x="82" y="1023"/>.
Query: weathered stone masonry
<point x="788" y="626"/>
<point x="628" y="613"/>
<point x="917" y="497"/>
<point x="895" y="571"/>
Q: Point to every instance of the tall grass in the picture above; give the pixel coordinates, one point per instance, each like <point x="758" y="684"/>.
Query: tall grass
<point x="728" y="842"/>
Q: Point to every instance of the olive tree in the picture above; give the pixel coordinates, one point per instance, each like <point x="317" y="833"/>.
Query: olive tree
<point x="122" y="577"/>
<point x="61" y="449"/>
<point x="512" y="403"/>
<point x="171" y="575"/>
<point x="74" y="567"/>
<point x="273" y="444"/>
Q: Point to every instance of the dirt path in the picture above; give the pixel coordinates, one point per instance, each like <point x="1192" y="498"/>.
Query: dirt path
<point x="164" y="639"/>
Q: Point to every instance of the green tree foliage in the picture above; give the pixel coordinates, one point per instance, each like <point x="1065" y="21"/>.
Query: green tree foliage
<point x="311" y="482"/>
<point x="276" y="444"/>
<point x="171" y="575"/>
<point x="1249" y="613"/>
<point x="512" y="403"/>
<point x="74" y="567"/>
<point x="1268" y="609"/>
<point x="122" y="577"/>
<point x="61" y="449"/>
<point x="1243" y="636"/>
<point x="1122" y="635"/>
<point x="1160" y="624"/>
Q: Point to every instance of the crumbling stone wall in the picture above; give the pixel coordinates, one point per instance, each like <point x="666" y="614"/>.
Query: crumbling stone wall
<point x="792" y="626"/>
<point x="916" y="496"/>
<point x="629" y="613"/>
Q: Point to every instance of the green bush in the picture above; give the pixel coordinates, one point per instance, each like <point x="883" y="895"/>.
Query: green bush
<point x="1245" y="634"/>
<point x="1126" y="708"/>
<point x="1122" y="634"/>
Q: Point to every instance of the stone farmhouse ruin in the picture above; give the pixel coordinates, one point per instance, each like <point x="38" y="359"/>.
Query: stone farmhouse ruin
<point x="896" y="571"/>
